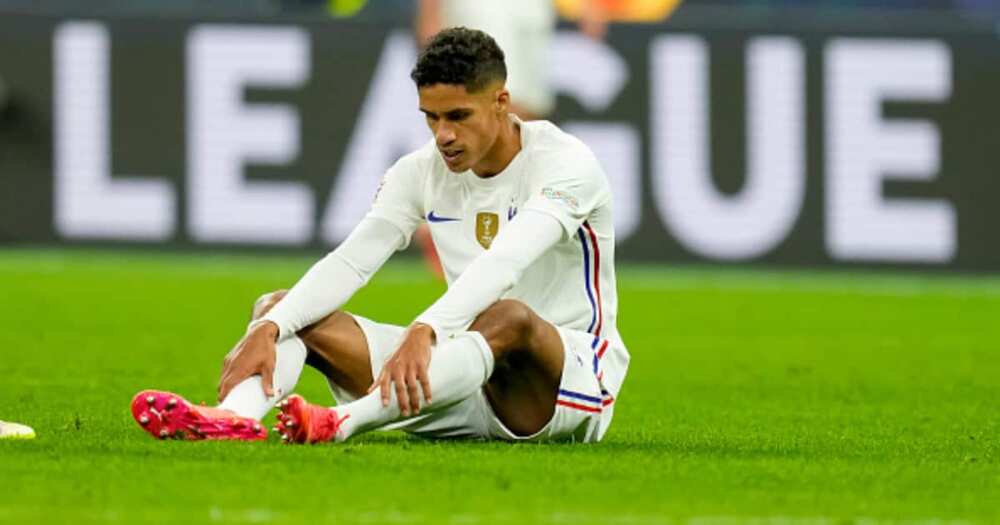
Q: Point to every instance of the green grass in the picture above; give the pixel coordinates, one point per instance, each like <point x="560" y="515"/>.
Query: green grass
<point x="759" y="397"/>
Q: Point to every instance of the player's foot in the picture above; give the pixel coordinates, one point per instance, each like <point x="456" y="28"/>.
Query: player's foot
<point x="166" y="415"/>
<point x="301" y="422"/>
<point x="15" y="431"/>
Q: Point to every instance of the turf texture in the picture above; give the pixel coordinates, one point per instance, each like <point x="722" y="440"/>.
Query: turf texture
<point x="753" y="397"/>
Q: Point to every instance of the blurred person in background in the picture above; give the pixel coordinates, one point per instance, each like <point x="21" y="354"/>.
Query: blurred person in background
<point x="629" y="11"/>
<point x="524" y="30"/>
<point x="961" y="5"/>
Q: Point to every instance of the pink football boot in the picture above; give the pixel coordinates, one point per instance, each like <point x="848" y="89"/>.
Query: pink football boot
<point x="166" y="415"/>
<point x="300" y="422"/>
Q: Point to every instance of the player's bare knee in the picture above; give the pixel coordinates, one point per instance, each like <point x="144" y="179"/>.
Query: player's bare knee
<point x="507" y="325"/>
<point x="264" y="303"/>
<point x="338" y="349"/>
<point x="331" y="333"/>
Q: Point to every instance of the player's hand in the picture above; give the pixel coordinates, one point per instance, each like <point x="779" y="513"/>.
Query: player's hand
<point x="253" y="354"/>
<point x="406" y="371"/>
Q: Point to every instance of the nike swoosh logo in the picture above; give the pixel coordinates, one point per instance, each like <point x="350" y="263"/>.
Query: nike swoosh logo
<point x="435" y="218"/>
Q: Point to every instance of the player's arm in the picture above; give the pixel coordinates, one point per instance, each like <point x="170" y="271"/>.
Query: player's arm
<point x="333" y="280"/>
<point x="388" y="226"/>
<point x="558" y="205"/>
<point x="324" y="288"/>
<point x="560" y="200"/>
<point x="487" y="278"/>
<point x="493" y="273"/>
<point x="556" y="212"/>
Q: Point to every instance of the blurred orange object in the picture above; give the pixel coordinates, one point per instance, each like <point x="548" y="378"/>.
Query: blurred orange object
<point x="426" y="244"/>
<point x="621" y="10"/>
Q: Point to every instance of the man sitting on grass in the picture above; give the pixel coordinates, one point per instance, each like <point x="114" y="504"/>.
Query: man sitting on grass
<point x="524" y="343"/>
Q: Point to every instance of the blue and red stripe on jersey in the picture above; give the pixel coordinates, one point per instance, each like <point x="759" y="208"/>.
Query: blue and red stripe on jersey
<point x="592" y="280"/>
<point x="598" y="354"/>
<point x="592" y="284"/>
<point x="584" y="402"/>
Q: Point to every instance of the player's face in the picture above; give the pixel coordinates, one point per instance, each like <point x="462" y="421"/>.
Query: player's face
<point x="465" y="125"/>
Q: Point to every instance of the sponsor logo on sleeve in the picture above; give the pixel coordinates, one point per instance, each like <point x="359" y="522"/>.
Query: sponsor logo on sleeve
<point x="560" y="196"/>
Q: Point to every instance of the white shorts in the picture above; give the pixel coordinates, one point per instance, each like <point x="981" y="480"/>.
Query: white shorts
<point x="583" y="409"/>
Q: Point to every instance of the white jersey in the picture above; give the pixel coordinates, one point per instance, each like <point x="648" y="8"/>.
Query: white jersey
<point x="572" y="285"/>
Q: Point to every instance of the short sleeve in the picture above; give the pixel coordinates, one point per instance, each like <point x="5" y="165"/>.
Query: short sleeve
<point x="570" y="188"/>
<point x="399" y="198"/>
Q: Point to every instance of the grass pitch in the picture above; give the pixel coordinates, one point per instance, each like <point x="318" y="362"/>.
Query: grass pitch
<point x="753" y="397"/>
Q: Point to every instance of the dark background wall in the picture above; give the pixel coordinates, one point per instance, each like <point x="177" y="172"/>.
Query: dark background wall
<point x="117" y="104"/>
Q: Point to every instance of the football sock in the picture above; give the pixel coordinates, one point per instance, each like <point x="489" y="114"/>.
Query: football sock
<point x="458" y="368"/>
<point x="247" y="399"/>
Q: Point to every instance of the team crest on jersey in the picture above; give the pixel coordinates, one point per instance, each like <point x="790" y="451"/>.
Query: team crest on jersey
<point x="487" y="225"/>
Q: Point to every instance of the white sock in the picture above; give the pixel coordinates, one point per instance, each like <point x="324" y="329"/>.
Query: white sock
<point x="458" y="368"/>
<point x="247" y="399"/>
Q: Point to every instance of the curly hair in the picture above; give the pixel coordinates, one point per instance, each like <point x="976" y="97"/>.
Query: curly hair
<point x="460" y="56"/>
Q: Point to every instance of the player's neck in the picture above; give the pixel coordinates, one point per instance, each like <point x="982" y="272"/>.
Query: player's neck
<point x="506" y="147"/>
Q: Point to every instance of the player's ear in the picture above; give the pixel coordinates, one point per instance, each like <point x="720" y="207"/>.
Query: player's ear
<point x="502" y="100"/>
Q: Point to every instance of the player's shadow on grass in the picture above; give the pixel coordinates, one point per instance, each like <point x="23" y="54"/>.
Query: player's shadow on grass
<point x="637" y="445"/>
<point x="620" y="446"/>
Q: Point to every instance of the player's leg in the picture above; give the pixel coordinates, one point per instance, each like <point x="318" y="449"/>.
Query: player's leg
<point x="335" y="346"/>
<point x="339" y="349"/>
<point x="525" y="389"/>
<point x="247" y="399"/>
<point x="459" y="367"/>
<point x="167" y="414"/>
<point x="528" y="355"/>
<point x="546" y="381"/>
<point x="338" y="339"/>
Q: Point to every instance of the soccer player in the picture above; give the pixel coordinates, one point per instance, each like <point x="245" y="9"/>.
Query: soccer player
<point x="524" y="30"/>
<point x="522" y="346"/>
